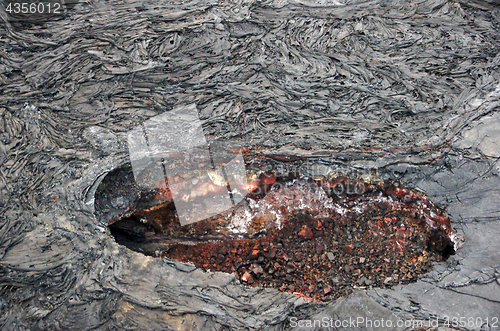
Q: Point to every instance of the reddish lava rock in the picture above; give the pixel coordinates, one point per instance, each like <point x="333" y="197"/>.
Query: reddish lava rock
<point x="355" y="234"/>
<point x="348" y="249"/>
<point x="314" y="275"/>
<point x="306" y="234"/>
<point x="247" y="278"/>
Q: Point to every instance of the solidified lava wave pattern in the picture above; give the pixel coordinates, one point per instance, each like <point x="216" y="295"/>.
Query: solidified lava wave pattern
<point x="317" y="238"/>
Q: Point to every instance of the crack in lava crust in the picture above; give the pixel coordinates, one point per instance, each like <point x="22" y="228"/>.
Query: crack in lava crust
<point x="317" y="239"/>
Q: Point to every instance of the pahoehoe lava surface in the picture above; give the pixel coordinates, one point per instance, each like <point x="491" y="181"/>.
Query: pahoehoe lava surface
<point x="406" y="89"/>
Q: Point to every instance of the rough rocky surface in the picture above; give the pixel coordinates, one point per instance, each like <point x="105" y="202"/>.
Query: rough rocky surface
<point x="318" y="239"/>
<point x="405" y="88"/>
